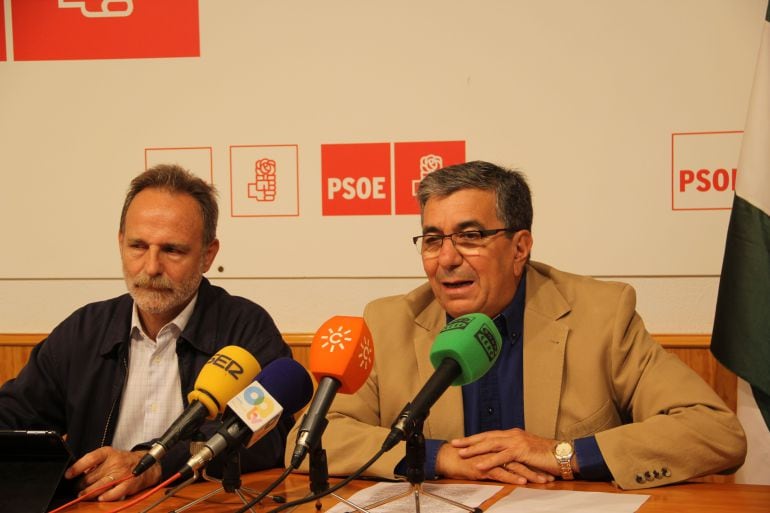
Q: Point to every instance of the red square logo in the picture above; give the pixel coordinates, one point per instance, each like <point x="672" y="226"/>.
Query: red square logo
<point x="414" y="160"/>
<point x="99" y="29"/>
<point x="355" y="179"/>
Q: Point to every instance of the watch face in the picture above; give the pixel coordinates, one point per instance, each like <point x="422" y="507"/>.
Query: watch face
<point x="563" y="450"/>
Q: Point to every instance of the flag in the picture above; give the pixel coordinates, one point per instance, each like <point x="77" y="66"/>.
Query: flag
<point x="741" y="334"/>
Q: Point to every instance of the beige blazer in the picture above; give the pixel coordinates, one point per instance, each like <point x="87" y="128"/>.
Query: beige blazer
<point x="590" y="368"/>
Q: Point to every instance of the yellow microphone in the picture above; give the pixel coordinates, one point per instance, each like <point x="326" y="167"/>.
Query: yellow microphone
<point x="226" y="373"/>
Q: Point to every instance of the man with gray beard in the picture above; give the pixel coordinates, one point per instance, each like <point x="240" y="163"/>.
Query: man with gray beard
<point x="115" y="374"/>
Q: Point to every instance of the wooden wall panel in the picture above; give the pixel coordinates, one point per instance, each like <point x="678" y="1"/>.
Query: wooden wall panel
<point x="692" y="349"/>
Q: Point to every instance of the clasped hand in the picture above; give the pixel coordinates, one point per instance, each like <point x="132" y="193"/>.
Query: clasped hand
<point x="511" y="456"/>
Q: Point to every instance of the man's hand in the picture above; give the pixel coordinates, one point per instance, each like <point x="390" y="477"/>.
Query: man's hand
<point x="105" y="465"/>
<point x="511" y="456"/>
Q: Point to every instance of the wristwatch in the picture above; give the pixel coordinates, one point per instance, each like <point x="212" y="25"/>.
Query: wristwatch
<point x="563" y="452"/>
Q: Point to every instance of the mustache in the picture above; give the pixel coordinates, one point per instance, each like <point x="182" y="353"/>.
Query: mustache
<point x="143" y="280"/>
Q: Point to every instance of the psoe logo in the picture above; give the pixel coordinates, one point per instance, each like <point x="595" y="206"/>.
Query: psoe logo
<point x="263" y="188"/>
<point x="48" y="30"/>
<point x="107" y="8"/>
<point x="428" y="164"/>
<point x="704" y="167"/>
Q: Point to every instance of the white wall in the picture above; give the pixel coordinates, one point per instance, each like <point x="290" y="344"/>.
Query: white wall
<point x="584" y="97"/>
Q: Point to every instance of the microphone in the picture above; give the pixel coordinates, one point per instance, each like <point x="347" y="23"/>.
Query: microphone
<point x="463" y="351"/>
<point x="282" y="386"/>
<point x="224" y="375"/>
<point x="341" y="358"/>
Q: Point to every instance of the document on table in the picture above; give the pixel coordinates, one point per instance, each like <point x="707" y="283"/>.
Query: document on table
<point x="531" y="500"/>
<point x="468" y="494"/>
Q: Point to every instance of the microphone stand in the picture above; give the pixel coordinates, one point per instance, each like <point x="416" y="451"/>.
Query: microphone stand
<point x="319" y="477"/>
<point x="231" y="482"/>
<point x="415" y="473"/>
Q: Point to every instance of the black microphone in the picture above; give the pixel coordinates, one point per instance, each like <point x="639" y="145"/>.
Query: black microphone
<point x="463" y="351"/>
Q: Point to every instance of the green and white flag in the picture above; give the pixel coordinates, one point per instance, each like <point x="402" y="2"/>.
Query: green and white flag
<point x="741" y="335"/>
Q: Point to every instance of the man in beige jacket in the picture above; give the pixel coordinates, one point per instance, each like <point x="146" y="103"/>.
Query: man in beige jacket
<point x="580" y="388"/>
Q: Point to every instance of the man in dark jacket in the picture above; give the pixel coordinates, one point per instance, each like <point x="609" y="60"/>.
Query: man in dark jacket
<point x="115" y="374"/>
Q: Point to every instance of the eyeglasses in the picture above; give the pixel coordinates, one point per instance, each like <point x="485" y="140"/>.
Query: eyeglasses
<point x="467" y="243"/>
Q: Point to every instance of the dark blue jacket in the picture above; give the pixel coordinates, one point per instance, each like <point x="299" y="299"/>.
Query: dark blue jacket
<point x="74" y="380"/>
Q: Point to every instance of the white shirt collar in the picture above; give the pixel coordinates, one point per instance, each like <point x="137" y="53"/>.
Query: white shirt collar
<point x="178" y="323"/>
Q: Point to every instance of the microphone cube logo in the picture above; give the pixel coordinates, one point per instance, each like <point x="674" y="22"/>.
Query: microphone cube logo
<point x="104" y="29"/>
<point x="256" y="406"/>
<point x="458" y="324"/>
<point x="336" y="339"/>
<point x="487" y="341"/>
<point x="366" y="353"/>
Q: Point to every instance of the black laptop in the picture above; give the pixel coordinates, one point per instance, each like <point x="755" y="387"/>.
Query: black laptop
<point x="32" y="465"/>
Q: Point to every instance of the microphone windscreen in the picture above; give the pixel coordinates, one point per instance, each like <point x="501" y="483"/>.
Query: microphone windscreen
<point x="222" y="377"/>
<point x="342" y="349"/>
<point x="288" y="382"/>
<point x="473" y="341"/>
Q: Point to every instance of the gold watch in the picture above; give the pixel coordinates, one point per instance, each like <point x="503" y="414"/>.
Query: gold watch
<point x="563" y="452"/>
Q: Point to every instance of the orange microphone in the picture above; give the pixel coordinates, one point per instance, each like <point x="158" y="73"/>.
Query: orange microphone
<point x="341" y="358"/>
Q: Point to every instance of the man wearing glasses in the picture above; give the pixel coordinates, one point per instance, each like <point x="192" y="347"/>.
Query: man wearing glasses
<point x="580" y="389"/>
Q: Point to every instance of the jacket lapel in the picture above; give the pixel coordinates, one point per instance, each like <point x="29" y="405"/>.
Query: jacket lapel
<point x="545" y="341"/>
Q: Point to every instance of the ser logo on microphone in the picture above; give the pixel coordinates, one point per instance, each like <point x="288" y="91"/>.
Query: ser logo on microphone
<point x="223" y="361"/>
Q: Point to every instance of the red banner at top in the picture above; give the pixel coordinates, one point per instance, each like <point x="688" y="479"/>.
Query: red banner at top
<point x="104" y="29"/>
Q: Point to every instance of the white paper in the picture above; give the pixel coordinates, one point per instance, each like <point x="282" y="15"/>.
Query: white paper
<point x="531" y="500"/>
<point x="468" y="494"/>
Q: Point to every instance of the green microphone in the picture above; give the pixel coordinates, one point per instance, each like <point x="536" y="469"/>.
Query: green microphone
<point x="463" y="351"/>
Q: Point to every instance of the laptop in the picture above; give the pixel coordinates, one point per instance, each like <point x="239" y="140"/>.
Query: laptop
<point x="32" y="465"/>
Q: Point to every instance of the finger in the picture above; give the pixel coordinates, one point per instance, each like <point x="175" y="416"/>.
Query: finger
<point x="505" y="476"/>
<point x="117" y="493"/>
<point x="530" y="475"/>
<point x="86" y="463"/>
<point x="489" y="445"/>
<point x="97" y="487"/>
<point x="471" y="440"/>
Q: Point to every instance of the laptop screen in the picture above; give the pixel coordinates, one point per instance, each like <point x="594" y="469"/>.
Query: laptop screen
<point x="32" y="464"/>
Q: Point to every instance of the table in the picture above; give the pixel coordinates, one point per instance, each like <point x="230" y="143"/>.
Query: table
<point x="692" y="497"/>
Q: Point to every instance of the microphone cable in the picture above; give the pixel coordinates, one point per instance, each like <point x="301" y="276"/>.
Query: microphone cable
<point x="328" y="491"/>
<point x="267" y="490"/>
<point x="93" y="493"/>
<point x="139" y="498"/>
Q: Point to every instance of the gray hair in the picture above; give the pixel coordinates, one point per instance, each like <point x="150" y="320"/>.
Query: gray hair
<point x="176" y="179"/>
<point x="514" y="200"/>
